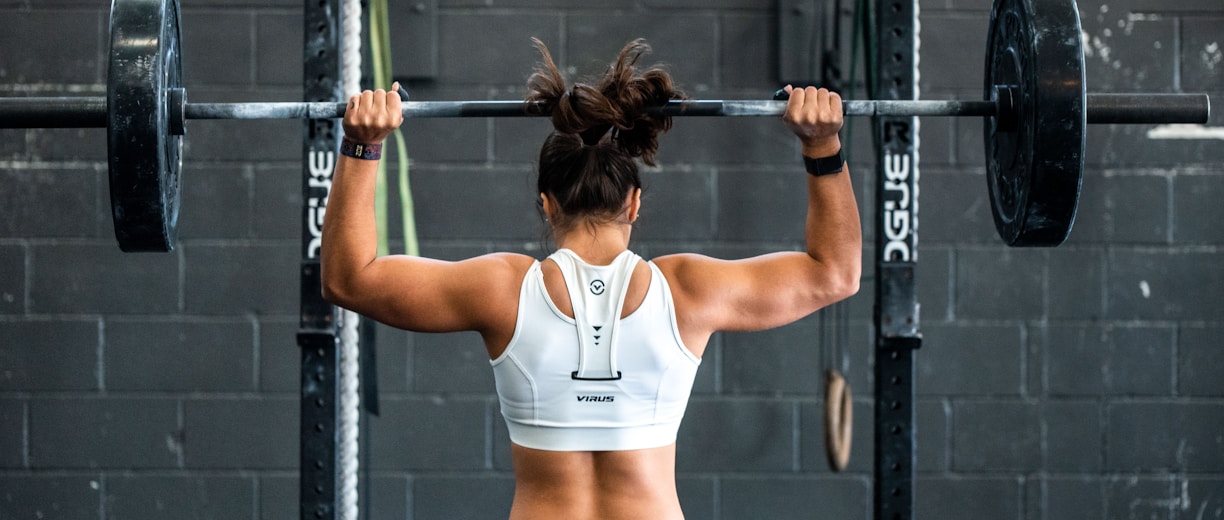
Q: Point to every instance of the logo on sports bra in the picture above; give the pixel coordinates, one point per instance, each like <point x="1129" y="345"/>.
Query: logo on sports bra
<point x="597" y="287"/>
<point x="596" y="398"/>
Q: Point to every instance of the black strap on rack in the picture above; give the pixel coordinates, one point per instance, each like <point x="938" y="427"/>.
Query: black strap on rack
<point x="317" y="329"/>
<point x="896" y="305"/>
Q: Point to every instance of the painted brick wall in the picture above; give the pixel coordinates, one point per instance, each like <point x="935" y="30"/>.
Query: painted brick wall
<point x="1081" y="382"/>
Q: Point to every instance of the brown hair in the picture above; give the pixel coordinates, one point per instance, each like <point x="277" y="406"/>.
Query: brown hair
<point x="588" y="164"/>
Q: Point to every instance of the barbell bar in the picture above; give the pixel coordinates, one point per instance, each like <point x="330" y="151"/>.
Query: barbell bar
<point x="90" y="112"/>
<point x="1034" y="110"/>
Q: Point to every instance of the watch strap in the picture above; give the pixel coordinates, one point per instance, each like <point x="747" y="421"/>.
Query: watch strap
<point x="824" y="165"/>
<point x="369" y="152"/>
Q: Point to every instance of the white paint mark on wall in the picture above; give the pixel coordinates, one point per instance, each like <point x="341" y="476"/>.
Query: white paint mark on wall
<point x="1186" y="132"/>
<point x="1185" y="495"/>
<point x="1143" y="17"/>
<point x="1212" y="55"/>
<point x="1097" y="47"/>
<point x="1094" y="46"/>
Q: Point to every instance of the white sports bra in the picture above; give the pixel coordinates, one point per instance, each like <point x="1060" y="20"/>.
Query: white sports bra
<point x="594" y="382"/>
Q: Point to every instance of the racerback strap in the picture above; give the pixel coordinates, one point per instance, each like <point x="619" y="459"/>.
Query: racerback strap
<point x="597" y="294"/>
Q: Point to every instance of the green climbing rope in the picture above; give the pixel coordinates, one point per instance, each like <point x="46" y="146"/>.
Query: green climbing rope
<point x="380" y="57"/>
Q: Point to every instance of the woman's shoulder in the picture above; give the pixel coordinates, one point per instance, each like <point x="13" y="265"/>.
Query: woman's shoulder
<point x="687" y="273"/>
<point x="675" y="264"/>
<point x="503" y="264"/>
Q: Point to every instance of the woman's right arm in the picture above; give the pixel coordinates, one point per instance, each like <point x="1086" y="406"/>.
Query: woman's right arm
<point x="413" y="293"/>
<point x="776" y="289"/>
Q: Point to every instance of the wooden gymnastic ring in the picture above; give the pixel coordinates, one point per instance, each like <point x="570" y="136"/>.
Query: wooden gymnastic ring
<point x="839" y="420"/>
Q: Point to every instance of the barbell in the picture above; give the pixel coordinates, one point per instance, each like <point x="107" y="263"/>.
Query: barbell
<point x="1035" y="110"/>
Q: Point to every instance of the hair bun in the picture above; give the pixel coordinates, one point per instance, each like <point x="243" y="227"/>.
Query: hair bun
<point x="619" y="100"/>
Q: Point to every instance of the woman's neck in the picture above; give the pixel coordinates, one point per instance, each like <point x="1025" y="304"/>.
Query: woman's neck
<point x="598" y="244"/>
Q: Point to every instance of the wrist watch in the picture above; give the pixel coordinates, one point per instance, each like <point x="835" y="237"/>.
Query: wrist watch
<point x="824" y="165"/>
<point x="369" y="152"/>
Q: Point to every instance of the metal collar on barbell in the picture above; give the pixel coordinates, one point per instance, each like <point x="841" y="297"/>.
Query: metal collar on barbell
<point x="1004" y="98"/>
<point x="176" y="110"/>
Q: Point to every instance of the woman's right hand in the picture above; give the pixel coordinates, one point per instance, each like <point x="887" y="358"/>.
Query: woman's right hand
<point x="815" y="115"/>
<point x="372" y="115"/>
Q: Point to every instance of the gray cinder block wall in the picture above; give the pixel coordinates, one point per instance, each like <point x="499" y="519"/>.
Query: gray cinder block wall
<point x="1082" y="382"/>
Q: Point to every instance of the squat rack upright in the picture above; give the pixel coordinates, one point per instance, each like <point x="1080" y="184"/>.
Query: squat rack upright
<point x="318" y="333"/>
<point x="895" y="313"/>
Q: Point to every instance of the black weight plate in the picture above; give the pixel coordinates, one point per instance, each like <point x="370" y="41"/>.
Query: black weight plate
<point x="145" y="159"/>
<point x="1034" y="170"/>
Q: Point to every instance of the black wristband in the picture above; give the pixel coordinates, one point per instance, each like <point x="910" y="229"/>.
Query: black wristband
<point x="824" y="165"/>
<point x="369" y="152"/>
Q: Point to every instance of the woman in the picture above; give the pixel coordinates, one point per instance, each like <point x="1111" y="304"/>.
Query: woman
<point x="593" y="349"/>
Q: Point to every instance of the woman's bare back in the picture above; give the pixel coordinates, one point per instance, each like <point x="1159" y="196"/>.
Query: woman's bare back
<point x="603" y="485"/>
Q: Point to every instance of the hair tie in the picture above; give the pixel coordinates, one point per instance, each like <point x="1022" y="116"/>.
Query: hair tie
<point x="592" y="136"/>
